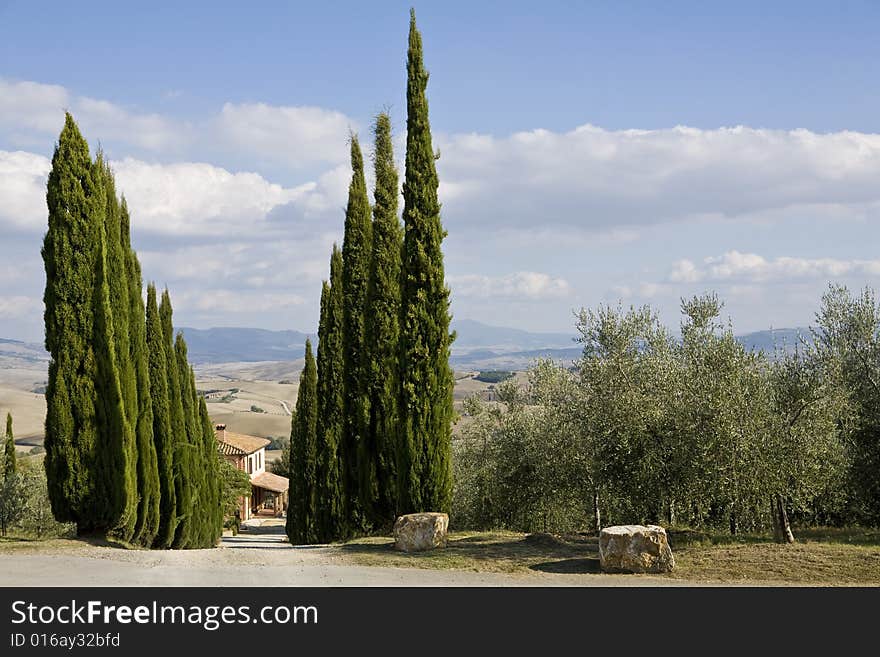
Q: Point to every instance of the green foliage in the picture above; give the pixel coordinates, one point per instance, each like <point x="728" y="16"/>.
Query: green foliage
<point x="89" y="457"/>
<point x="848" y="342"/>
<point x="157" y="348"/>
<point x="377" y="453"/>
<point x="10" y="461"/>
<point x="493" y="376"/>
<point x="355" y="275"/>
<point x="424" y="465"/>
<point x="234" y="484"/>
<point x="36" y="519"/>
<point x="282" y="465"/>
<point x="300" y="524"/>
<point x="698" y="432"/>
<point x="69" y="255"/>
<point x="181" y="459"/>
<point x="147" y="524"/>
<point x="257" y="409"/>
<point x="13" y="498"/>
<point x="212" y="511"/>
<point x="117" y="387"/>
<point x="330" y="522"/>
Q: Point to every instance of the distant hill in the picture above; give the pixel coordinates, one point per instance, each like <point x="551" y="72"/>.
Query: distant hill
<point x="478" y="346"/>
<point x="766" y="341"/>
<point x="226" y="345"/>
<point x="27" y="351"/>
<point x="473" y="334"/>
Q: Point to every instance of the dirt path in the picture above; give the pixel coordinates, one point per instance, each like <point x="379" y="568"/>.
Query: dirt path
<point x="250" y="560"/>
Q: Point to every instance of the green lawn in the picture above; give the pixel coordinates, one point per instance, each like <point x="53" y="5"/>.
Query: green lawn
<point x="820" y="557"/>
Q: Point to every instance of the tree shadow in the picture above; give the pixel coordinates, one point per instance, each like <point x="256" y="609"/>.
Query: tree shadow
<point x="574" y="553"/>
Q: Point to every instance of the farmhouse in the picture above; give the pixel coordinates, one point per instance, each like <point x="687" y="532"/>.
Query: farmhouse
<point x="248" y="453"/>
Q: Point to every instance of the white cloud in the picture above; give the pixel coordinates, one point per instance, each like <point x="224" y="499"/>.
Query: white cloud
<point x="734" y="266"/>
<point x="17" y="307"/>
<point x="518" y="285"/>
<point x="235" y="302"/>
<point x="31" y="105"/>
<point x="294" y="135"/>
<point x="23" y="189"/>
<point x="192" y="198"/>
<point x="595" y="178"/>
<point x="684" y="271"/>
<point x="183" y="199"/>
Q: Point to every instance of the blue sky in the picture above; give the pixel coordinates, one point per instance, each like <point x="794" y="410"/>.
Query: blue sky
<point x="590" y="152"/>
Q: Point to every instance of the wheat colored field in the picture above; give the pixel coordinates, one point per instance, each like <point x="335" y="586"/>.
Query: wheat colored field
<point x="255" y="386"/>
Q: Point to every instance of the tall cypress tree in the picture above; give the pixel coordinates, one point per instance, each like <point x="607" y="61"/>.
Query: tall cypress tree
<point x="182" y="478"/>
<point x="190" y="446"/>
<point x="87" y="437"/>
<point x="111" y="459"/>
<point x="69" y="257"/>
<point x="355" y="275"/>
<point x="147" y="465"/>
<point x="424" y="460"/>
<point x="118" y="289"/>
<point x="330" y="512"/>
<point x="377" y="450"/>
<point x="303" y="443"/>
<point x="162" y="428"/>
<point x="10" y="463"/>
<point x="212" y="474"/>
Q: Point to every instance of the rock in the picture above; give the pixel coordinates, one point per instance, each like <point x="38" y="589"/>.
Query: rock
<point x="635" y="549"/>
<point x="416" y="532"/>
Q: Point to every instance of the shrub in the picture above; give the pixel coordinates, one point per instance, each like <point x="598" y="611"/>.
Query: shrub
<point x="493" y="376"/>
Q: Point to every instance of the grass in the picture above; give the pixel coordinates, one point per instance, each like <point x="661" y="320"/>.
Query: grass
<point x="820" y="556"/>
<point x="498" y="551"/>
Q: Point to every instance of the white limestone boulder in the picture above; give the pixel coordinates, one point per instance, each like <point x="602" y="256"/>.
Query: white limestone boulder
<point x="635" y="549"/>
<point x="416" y="532"/>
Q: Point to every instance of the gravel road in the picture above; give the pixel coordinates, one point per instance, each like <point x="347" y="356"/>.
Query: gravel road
<point x="251" y="560"/>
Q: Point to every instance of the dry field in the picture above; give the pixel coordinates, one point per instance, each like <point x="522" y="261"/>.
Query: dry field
<point x="258" y="384"/>
<point x="17" y="396"/>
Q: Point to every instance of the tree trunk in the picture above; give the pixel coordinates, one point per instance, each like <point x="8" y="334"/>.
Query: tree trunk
<point x="781" y="527"/>
<point x="672" y="512"/>
<point x="734" y="526"/>
<point x="597" y="516"/>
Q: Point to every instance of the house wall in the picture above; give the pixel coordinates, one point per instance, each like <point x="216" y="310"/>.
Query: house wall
<point x="255" y="463"/>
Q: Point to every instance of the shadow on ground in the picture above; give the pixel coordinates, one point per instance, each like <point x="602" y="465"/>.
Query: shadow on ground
<point x="262" y="529"/>
<point x="576" y="553"/>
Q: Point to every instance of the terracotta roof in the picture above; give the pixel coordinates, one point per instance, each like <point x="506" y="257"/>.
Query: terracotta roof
<point x="272" y="482"/>
<point x="239" y="443"/>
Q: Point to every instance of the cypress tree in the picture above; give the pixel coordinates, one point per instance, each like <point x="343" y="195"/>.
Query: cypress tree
<point x="190" y="445"/>
<point x="162" y="429"/>
<point x="87" y="436"/>
<point x="118" y="288"/>
<point x="10" y="464"/>
<point x="69" y="258"/>
<point x="424" y="459"/>
<point x="377" y="453"/>
<point x="147" y="465"/>
<point x="182" y="478"/>
<point x="212" y="474"/>
<point x="303" y="443"/>
<point x="355" y="274"/>
<point x="330" y="512"/>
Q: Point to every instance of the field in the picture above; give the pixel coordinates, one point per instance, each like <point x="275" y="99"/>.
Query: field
<point x="18" y="382"/>
<point x="820" y="558"/>
<point x="255" y="384"/>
